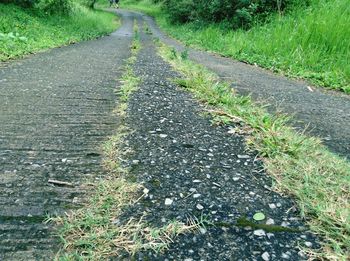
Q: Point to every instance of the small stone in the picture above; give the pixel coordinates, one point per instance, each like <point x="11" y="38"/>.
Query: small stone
<point x="135" y="162"/>
<point x="243" y="156"/>
<point x="188" y="259"/>
<point x="145" y="191"/>
<point x="163" y="220"/>
<point x="270" y="221"/>
<point x="192" y="190"/>
<point x="235" y="178"/>
<point x="285" y="224"/>
<point x="251" y="194"/>
<point x="308" y="244"/>
<point x="64" y="160"/>
<point x="208" y="176"/>
<point x="199" y="207"/>
<point x="168" y="201"/>
<point x="210" y="154"/>
<point x="163" y="135"/>
<point x="279" y="205"/>
<point x="259" y="232"/>
<point x="266" y="256"/>
<point x="272" y="206"/>
<point x="269" y="235"/>
<point x="285" y="256"/>
<point x="196" y="195"/>
<point x="196" y="181"/>
<point x="202" y="230"/>
<point x="181" y="195"/>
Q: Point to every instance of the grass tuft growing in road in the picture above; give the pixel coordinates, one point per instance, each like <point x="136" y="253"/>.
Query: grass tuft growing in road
<point x="300" y="165"/>
<point x="24" y="31"/>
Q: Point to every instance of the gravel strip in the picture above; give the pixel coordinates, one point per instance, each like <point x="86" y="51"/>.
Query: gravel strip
<point x="195" y="169"/>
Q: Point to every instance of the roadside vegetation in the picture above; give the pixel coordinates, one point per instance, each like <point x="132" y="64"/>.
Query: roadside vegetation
<point x="95" y="232"/>
<point x="28" y="28"/>
<point x="301" y="39"/>
<point x="300" y="165"/>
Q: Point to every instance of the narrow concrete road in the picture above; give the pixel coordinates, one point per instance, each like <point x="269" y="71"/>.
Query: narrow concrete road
<point x="55" y="113"/>
<point x="325" y="114"/>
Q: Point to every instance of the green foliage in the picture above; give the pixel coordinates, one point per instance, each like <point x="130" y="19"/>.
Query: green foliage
<point x="26" y="30"/>
<point x="235" y="13"/>
<point x="311" y="43"/>
<point x="54" y="6"/>
<point x="47" y="6"/>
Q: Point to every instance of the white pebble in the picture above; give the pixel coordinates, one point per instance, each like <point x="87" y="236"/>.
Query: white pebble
<point x="308" y="244"/>
<point x="272" y="206"/>
<point x="270" y="221"/>
<point x="266" y="256"/>
<point x="199" y="207"/>
<point x="259" y="232"/>
<point x="168" y="201"/>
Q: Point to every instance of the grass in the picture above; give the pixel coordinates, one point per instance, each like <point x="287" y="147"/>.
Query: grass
<point x="300" y="165"/>
<point x="95" y="232"/>
<point x="24" y="31"/>
<point x="310" y="43"/>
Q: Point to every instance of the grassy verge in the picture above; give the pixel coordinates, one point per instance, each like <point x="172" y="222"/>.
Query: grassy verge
<point x="24" y="31"/>
<point x="95" y="232"/>
<point x="301" y="166"/>
<point x="311" y="43"/>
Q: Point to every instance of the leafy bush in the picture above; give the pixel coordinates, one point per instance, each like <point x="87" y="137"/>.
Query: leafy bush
<point x="236" y="13"/>
<point x="47" y="6"/>
<point x="55" y="6"/>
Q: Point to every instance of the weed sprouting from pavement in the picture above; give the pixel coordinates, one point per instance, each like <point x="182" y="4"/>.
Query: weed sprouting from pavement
<point x="184" y="54"/>
<point x="300" y="165"/>
<point x="173" y="53"/>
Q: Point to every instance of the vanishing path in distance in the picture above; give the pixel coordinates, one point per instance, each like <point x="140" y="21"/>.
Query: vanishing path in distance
<point x="325" y="114"/>
<point x="56" y="110"/>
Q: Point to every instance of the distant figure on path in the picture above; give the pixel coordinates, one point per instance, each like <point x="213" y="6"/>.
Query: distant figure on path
<point x="114" y="3"/>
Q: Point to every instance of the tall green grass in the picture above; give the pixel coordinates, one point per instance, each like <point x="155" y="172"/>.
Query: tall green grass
<point x="311" y="43"/>
<point x="24" y="31"/>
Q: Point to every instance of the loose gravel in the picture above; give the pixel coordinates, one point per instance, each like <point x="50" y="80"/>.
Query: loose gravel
<point x="194" y="169"/>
